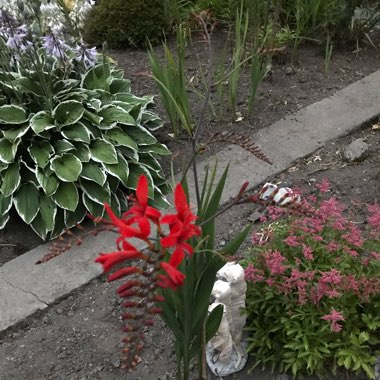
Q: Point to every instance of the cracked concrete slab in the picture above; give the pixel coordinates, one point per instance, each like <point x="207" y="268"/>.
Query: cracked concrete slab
<point x="16" y="304"/>
<point x="26" y="287"/>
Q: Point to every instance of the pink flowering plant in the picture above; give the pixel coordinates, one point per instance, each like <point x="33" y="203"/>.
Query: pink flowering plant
<point x="313" y="298"/>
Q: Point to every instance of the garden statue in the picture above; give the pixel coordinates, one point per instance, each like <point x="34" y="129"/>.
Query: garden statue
<point x="226" y="352"/>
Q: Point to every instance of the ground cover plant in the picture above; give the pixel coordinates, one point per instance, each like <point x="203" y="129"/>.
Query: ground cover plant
<point x="72" y="134"/>
<point x="313" y="299"/>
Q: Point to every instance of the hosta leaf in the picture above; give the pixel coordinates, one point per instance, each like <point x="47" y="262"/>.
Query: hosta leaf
<point x="92" y="117"/>
<point x="73" y="218"/>
<point x="140" y="135"/>
<point x="115" y="204"/>
<point x="65" y="85"/>
<point x="39" y="227"/>
<point x="133" y="99"/>
<point x="114" y="114"/>
<point x="8" y="150"/>
<point x="25" y="84"/>
<point x="11" y="114"/>
<point x="96" y="78"/>
<point x="14" y="133"/>
<point x="119" y="170"/>
<point x="135" y="171"/>
<point x="49" y="183"/>
<point x="113" y="183"/>
<point x="11" y="179"/>
<point x="94" y="209"/>
<point x="82" y="152"/>
<point x="41" y="121"/>
<point x="130" y="153"/>
<point x="66" y="196"/>
<point x="67" y="167"/>
<point x="117" y="136"/>
<point x="94" y="104"/>
<point x="93" y="172"/>
<point x="59" y="224"/>
<point x="103" y="151"/>
<point x="151" y="120"/>
<point x="4" y="220"/>
<point x="122" y="200"/>
<point x="76" y="132"/>
<point x="40" y="151"/>
<point x="26" y="202"/>
<point x="48" y="211"/>
<point x="120" y="85"/>
<point x="5" y="204"/>
<point x="68" y="112"/>
<point x="157" y="148"/>
<point x="62" y="146"/>
<point x="159" y="200"/>
<point x="95" y="192"/>
<point x="150" y="162"/>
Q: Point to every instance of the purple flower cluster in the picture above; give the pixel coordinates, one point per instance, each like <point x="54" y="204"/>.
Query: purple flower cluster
<point x="86" y="55"/>
<point x="55" y="46"/>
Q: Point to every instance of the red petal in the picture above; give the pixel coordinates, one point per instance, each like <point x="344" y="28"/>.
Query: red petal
<point x="144" y="226"/>
<point x="123" y="272"/>
<point x="175" y="275"/>
<point x="177" y="257"/>
<point x="142" y="190"/>
<point x="180" y="199"/>
<point x="108" y="260"/>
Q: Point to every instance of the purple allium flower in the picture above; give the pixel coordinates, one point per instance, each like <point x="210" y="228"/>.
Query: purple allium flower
<point x="55" y="46"/>
<point x="86" y="55"/>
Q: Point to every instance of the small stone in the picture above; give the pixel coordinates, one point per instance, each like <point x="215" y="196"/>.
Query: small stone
<point x="70" y="313"/>
<point x="70" y="298"/>
<point x="116" y="363"/>
<point x="59" y="311"/>
<point x="356" y="151"/>
<point x="289" y="70"/>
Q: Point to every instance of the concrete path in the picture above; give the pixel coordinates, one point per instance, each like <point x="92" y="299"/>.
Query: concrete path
<point x="26" y="288"/>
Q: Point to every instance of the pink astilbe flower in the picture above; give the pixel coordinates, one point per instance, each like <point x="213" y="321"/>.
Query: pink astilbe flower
<point x="273" y="261"/>
<point x="324" y="186"/>
<point x="373" y="219"/>
<point x="331" y="277"/>
<point x="334" y="317"/>
<point x="307" y="252"/>
<point x="253" y="274"/>
<point x="291" y="241"/>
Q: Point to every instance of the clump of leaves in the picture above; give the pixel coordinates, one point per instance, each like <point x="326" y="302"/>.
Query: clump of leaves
<point x="72" y="136"/>
<point x="313" y="299"/>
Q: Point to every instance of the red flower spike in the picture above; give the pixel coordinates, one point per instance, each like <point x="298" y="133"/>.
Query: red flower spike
<point x="158" y="298"/>
<point x="177" y="257"/>
<point x="173" y="279"/>
<point x="129" y="284"/>
<point x="149" y="322"/>
<point x="108" y="260"/>
<point x="127" y="293"/>
<point x="123" y="272"/>
<point x="155" y="310"/>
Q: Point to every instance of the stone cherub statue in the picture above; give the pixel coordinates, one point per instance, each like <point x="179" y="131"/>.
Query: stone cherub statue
<point x="225" y="352"/>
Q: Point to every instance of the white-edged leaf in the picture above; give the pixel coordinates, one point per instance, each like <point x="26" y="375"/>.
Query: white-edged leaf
<point x="68" y="112"/>
<point x="113" y="114"/>
<point x="94" y="104"/>
<point x="76" y="132"/>
<point x="48" y="211"/>
<point x="8" y="150"/>
<point x="10" y="179"/>
<point x="93" y="172"/>
<point x="115" y="204"/>
<point x="135" y="171"/>
<point x="159" y="149"/>
<point x="103" y="151"/>
<point x="66" y="196"/>
<point x="67" y="167"/>
<point x="120" y="85"/>
<point x="41" y="121"/>
<point x="117" y="136"/>
<point x="94" y="209"/>
<point x="11" y="114"/>
<point x="96" y="77"/>
<point x="63" y="146"/>
<point x="40" y="151"/>
<point x="26" y="201"/>
<point x="5" y="204"/>
<point x="119" y="170"/>
<point x="49" y="183"/>
<point x="39" y="227"/>
<point x="13" y="134"/>
<point x="73" y="218"/>
<point x="95" y="192"/>
<point x="82" y="151"/>
<point x="4" y="220"/>
<point x="140" y="135"/>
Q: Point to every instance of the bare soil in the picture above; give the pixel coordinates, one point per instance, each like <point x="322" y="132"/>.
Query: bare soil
<point x="78" y="338"/>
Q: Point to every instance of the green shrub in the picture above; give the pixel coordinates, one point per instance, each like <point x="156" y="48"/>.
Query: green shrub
<point x="123" y="23"/>
<point x="313" y="298"/>
<point x="72" y="136"/>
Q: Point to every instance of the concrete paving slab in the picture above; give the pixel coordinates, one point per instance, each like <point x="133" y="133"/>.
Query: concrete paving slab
<point x="26" y="287"/>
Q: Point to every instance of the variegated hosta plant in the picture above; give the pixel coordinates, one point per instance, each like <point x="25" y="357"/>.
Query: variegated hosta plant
<point x="72" y="136"/>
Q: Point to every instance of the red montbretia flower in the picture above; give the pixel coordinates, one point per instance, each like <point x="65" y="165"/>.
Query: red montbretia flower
<point x="108" y="260"/>
<point x="181" y="227"/>
<point x="172" y="279"/>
